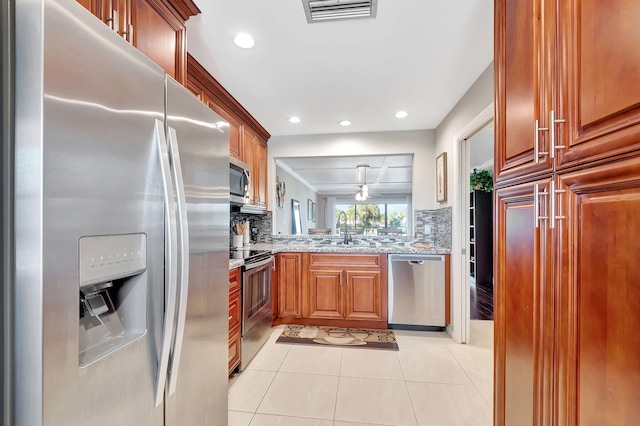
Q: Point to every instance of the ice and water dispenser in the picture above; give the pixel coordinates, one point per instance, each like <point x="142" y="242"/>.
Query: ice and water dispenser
<point x="113" y="293"/>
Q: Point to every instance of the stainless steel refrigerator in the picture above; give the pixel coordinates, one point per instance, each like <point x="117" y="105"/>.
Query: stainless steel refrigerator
<point x="119" y="253"/>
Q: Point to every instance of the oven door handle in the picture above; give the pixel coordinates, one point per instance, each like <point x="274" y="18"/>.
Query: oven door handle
<point x="258" y="264"/>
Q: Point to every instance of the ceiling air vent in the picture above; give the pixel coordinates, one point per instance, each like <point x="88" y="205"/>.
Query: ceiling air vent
<point x="332" y="10"/>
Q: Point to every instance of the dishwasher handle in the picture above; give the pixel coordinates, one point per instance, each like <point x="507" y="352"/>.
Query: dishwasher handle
<point x="416" y="259"/>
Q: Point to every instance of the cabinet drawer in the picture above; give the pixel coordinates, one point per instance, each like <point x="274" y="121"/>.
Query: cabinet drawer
<point x="331" y="260"/>
<point x="235" y="349"/>
<point x="234" y="280"/>
<point x="234" y="310"/>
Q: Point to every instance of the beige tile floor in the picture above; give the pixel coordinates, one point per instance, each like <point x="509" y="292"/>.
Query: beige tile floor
<point x="431" y="380"/>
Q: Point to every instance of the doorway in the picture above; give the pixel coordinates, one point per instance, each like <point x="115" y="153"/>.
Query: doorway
<point x="463" y="141"/>
<point x="480" y="227"/>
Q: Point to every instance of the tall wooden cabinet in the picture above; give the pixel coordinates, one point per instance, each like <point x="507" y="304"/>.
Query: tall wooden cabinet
<point x="566" y="203"/>
<point x="155" y="27"/>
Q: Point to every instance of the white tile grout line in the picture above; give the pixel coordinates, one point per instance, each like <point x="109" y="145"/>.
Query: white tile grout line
<point x="469" y="377"/>
<point x="335" y="404"/>
<point x="340" y="376"/>
<point x="265" y="394"/>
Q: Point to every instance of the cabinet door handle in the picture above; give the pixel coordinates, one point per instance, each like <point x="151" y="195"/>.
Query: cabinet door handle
<point x="536" y="204"/>
<point x="552" y="131"/>
<point x="536" y="143"/>
<point x="128" y="35"/>
<point x="109" y="22"/>
<point x="116" y="24"/>
<point x="554" y="193"/>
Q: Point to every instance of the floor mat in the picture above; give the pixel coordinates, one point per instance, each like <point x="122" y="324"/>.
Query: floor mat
<point x="336" y="336"/>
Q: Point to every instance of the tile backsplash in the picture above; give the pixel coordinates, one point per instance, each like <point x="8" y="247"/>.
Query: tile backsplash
<point x="262" y="224"/>
<point x="439" y="222"/>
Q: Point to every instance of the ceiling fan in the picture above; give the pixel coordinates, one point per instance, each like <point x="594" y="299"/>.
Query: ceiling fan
<point x="362" y="193"/>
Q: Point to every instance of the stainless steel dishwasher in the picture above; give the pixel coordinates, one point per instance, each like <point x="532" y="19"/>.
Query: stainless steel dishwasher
<point x="416" y="291"/>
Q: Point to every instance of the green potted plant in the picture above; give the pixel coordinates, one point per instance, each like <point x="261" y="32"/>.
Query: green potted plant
<point x="481" y="180"/>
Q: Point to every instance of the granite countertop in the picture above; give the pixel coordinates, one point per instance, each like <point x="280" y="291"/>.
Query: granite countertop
<point x="235" y="263"/>
<point x="363" y="247"/>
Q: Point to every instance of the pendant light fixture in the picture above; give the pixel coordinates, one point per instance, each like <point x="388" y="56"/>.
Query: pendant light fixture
<point x="363" y="190"/>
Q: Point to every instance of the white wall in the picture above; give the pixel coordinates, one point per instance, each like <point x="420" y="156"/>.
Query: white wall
<point x="477" y="99"/>
<point x="295" y="190"/>
<point x="425" y="145"/>
<point x="420" y="143"/>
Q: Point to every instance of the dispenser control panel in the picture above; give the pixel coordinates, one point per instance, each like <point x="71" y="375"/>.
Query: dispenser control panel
<point x="108" y="257"/>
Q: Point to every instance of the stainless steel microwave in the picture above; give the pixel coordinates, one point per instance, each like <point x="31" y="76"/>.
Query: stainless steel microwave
<point x="239" y="181"/>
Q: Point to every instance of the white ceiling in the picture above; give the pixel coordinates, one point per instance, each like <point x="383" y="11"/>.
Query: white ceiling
<point x="386" y="174"/>
<point x="416" y="55"/>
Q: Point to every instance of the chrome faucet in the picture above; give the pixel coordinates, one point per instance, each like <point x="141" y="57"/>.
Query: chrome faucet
<point x="347" y="237"/>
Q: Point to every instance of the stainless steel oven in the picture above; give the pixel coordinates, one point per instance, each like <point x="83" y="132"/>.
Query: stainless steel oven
<point x="256" y="303"/>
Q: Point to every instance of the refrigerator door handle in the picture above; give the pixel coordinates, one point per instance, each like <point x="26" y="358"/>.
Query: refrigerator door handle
<point x="171" y="260"/>
<point x="183" y="226"/>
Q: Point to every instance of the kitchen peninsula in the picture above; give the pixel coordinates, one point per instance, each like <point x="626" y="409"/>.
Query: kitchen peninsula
<point x="319" y="280"/>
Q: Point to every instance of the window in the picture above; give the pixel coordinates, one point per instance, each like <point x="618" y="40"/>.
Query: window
<point x="373" y="219"/>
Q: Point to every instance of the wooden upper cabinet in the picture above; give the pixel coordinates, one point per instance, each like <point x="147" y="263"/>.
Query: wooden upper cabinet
<point x="599" y="298"/>
<point x="158" y="32"/>
<point x="235" y="140"/>
<point x="244" y="129"/>
<point x="196" y="88"/>
<point x="90" y="5"/>
<point x="572" y="68"/>
<point x="520" y="79"/>
<point x="254" y="152"/>
<point x="249" y="143"/>
<point x="155" y="27"/>
<point x="261" y="169"/>
<point x="601" y="89"/>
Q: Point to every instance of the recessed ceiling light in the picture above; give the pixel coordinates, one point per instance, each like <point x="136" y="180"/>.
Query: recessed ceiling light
<point x="294" y="120"/>
<point x="244" y="40"/>
<point x="345" y="123"/>
<point x="401" y="114"/>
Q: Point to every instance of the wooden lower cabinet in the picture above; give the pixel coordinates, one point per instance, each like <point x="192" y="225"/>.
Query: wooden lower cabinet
<point x="568" y="299"/>
<point x="235" y="319"/>
<point x="522" y="294"/>
<point x="289" y="285"/>
<point x="235" y="349"/>
<point x="333" y="289"/>
<point x="325" y="298"/>
<point x="363" y="296"/>
<point x="598" y="296"/>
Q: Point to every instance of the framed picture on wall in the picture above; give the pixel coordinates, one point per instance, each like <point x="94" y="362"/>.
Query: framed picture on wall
<point x="314" y="212"/>
<point x="441" y="177"/>
<point x="309" y="209"/>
